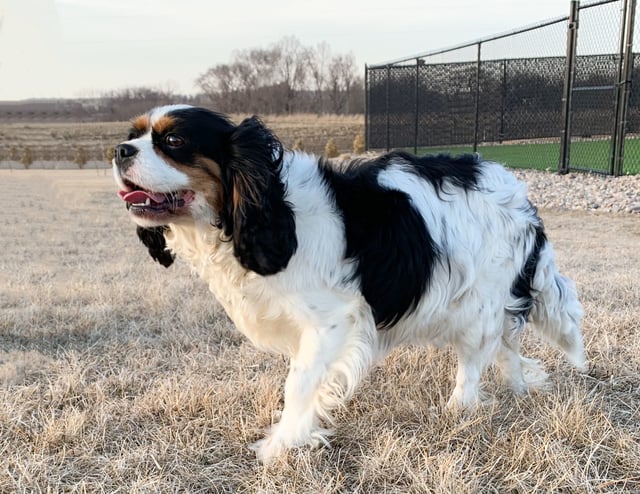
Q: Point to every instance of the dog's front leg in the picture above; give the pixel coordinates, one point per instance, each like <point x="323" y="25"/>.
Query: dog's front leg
<point x="299" y="422"/>
<point x="329" y="364"/>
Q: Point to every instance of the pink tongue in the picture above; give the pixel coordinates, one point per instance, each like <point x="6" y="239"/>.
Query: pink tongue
<point x="140" y="196"/>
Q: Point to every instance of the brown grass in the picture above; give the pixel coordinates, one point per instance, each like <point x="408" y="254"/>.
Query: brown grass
<point x="117" y="375"/>
<point x="59" y="141"/>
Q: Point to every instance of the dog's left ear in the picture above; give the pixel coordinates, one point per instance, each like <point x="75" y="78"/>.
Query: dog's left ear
<point x="255" y="214"/>
<point x="153" y="239"/>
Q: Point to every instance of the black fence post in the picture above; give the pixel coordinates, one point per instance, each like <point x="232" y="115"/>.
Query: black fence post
<point x="387" y="107"/>
<point x="624" y="85"/>
<point x="417" y="108"/>
<point x="477" y="102"/>
<point x="367" y="102"/>
<point x="569" y="72"/>
<point x="616" y="99"/>
<point x="503" y="97"/>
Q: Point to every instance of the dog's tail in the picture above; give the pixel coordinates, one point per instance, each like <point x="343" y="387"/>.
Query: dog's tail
<point x="556" y="312"/>
<point x="550" y="300"/>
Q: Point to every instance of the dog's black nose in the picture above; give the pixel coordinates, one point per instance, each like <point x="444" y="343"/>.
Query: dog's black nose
<point x="123" y="153"/>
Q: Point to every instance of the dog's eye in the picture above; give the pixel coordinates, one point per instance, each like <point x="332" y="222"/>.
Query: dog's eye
<point x="174" y="141"/>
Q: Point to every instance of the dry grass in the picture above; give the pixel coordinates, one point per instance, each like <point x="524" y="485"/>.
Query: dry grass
<point x="60" y="141"/>
<point x="119" y="376"/>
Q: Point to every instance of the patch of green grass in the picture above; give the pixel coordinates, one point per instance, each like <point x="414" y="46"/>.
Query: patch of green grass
<point x="542" y="156"/>
<point x="593" y="155"/>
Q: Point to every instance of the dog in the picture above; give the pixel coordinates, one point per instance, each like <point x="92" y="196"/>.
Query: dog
<point x="335" y="265"/>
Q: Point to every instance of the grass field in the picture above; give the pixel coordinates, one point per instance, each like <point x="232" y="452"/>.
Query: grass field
<point x="590" y="155"/>
<point x="53" y="141"/>
<point x="60" y="142"/>
<point x="117" y="375"/>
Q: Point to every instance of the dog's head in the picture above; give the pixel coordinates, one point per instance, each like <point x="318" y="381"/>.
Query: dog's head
<point x="182" y="164"/>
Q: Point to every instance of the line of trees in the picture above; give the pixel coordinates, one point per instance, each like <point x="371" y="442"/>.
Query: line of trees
<point x="286" y="77"/>
<point x="121" y="104"/>
<point x="283" y="78"/>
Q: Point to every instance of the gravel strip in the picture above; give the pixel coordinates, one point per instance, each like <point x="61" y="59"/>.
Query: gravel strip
<point x="584" y="191"/>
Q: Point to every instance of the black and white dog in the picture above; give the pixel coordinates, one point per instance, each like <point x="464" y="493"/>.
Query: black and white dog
<point x="334" y="266"/>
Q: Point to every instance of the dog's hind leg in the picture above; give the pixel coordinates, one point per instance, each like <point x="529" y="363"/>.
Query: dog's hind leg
<point x="329" y="364"/>
<point x="519" y="373"/>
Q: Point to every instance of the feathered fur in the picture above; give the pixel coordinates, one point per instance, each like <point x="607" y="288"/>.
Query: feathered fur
<point x="335" y="266"/>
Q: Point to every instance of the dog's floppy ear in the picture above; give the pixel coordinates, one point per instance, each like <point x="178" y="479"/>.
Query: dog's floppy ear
<point x="255" y="214"/>
<point x="153" y="239"/>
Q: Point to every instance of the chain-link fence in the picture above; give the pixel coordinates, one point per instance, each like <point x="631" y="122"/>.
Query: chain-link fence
<point x="556" y="95"/>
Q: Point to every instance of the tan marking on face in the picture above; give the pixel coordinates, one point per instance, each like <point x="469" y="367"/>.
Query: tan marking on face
<point x="141" y="123"/>
<point x="164" y="124"/>
<point x="205" y="179"/>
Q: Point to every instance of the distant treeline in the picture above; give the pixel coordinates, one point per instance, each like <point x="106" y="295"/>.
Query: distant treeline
<point x="283" y="78"/>
<point x="116" y="106"/>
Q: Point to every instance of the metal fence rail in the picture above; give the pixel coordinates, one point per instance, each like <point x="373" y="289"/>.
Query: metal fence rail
<point x="554" y="95"/>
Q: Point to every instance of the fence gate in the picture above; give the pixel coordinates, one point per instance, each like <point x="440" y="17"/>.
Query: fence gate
<point x="596" y="87"/>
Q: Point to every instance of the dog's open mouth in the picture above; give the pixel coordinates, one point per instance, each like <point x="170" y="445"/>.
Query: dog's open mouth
<point x="141" y="202"/>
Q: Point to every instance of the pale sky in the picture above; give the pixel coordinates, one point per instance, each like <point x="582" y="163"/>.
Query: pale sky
<point x="78" y="48"/>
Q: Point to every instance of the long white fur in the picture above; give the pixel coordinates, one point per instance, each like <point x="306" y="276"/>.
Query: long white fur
<point x="312" y="314"/>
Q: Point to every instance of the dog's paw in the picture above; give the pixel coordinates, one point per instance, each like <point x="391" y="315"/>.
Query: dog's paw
<point x="277" y="443"/>
<point x="468" y="399"/>
<point x="267" y="450"/>
<point x="533" y="375"/>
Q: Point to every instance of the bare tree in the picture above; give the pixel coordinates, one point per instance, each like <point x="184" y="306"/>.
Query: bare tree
<point x="293" y="69"/>
<point x="222" y="83"/>
<point x="285" y="77"/>
<point x="318" y="65"/>
<point x="261" y="79"/>
<point x="342" y="76"/>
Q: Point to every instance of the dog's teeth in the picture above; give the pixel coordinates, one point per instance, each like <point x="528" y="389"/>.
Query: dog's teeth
<point x="147" y="202"/>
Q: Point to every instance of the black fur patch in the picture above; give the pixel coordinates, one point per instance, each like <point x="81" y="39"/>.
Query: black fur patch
<point x="388" y="238"/>
<point x="461" y="171"/>
<point x="153" y="239"/>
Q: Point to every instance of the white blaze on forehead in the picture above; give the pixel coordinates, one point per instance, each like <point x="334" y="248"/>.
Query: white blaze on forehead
<point x="161" y="111"/>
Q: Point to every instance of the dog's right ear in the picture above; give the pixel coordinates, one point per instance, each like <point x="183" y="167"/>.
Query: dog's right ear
<point x="256" y="214"/>
<point x="153" y="239"/>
